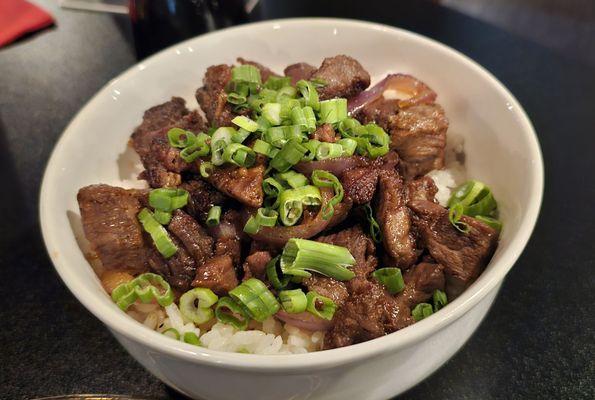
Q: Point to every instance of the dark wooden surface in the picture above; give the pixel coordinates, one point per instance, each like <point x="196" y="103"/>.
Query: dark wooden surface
<point x="537" y="342"/>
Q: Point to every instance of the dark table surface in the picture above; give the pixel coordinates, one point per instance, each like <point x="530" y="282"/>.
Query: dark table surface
<point x="538" y="341"/>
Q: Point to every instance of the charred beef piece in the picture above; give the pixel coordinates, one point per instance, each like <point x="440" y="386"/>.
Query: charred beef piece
<point x="255" y="265"/>
<point x="360" y="184"/>
<point x="157" y="176"/>
<point x="421" y="281"/>
<point x="359" y="245"/>
<point x="178" y="270"/>
<point x="394" y="219"/>
<point x="156" y="121"/>
<point x="265" y="72"/>
<point x="243" y="184"/>
<point x="328" y="287"/>
<point x="343" y="76"/>
<point x="324" y="133"/>
<point x="212" y="97"/>
<point x="463" y="255"/>
<point x="109" y="221"/>
<point x="299" y="71"/>
<point x="379" y="111"/>
<point x="422" y="188"/>
<point x="418" y="133"/>
<point x="217" y="274"/>
<point x="202" y="196"/>
<point x="195" y="238"/>
<point x="228" y="236"/>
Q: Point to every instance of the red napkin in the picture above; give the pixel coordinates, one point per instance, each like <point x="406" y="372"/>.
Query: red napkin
<point x="18" y="17"/>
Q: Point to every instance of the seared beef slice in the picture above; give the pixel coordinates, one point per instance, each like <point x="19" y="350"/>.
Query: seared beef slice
<point x="463" y="255"/>
<point x="216" y="274"/>
<point x="109" y="220"/>
<point x="212" y="96"/>
<point x="343" y="77"/>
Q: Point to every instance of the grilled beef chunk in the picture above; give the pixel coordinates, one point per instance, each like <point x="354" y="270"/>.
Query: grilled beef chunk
<point x="157" y="177"/>
<point x="422" y="188"/>
<point x="178" y="270"/>
<point x="228" y="236"/>
<point x="212" y="97"/>
<point x="299" y="71"/>
<point x="255" y="265"/>
<point x="156" y="121"/>
<point x="421" y="281"/>
<point x="394" y="219"/>
<point x="216" y="274"/>
<point x="328" y="287"/>
<point x="418" y="134"/>
<point x="202" y="196"/>
<point x="343" y="76"/>
<point x="360" y="184"/>
<point x="265" y="72"/>
<point x="379" y="111"/>
<point x="463" y="255"/>
<point x="195" y="238"/>
<point x="109" y="220"/>
<point x="359" y="245"/>
<point x="243" y="184"/>
<point x="324" y="133"/>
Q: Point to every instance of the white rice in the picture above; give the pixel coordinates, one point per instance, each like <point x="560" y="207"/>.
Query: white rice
<point x="453" y="174"/>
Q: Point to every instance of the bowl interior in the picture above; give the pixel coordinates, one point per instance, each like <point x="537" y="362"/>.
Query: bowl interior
<point x="500" y="145"/>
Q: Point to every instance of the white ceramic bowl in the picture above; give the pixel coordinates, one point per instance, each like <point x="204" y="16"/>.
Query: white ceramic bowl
<point x="501" y="149"/>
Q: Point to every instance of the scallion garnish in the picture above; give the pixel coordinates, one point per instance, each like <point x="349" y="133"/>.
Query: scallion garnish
<point x="329" y="150"/>
<point x="333" y="111"/>
<point x="274" y="274"/>
<point x="238" y="154"/>
<point x="266" y="217"/>
<point x="180" y="138"/>
<point x="309" y="93"/>
<point x="245" y="123"/>
<point x="213" y="216"/>
<point x="439" y="299"/>
<point x="291" y="153"/>
<point x="311" y="147"/>
<point x="300" y="256"/>
<point x="240" y="135"/>
<point x="374" y="227"/>
<point x="172" y="333"/>
<point x="377" y="141"/>
<point x="160" y="237"/>
<point x="323" y="178"/>
<point x="321" y="306"/>
<point x="454" y="216"/>
<point x="262" y="147"/>
<point x="195" y="305"/>
<point x="277" y="82"/>
<point x="286" y="92"/>
<point x="163" y="217"/>
<point x="476" y="199"/>
<point x="272" y="113"/>
<point x="205" y="169"/>
<point x="349" y="145"/>
<point x="391" y="278"/>
<point x="166" y="199"/>
<point x="245" y="74"/>
<point x="293" y="301"/>
<point x="292" y="202"/>
<point x="221" y="138"/>
<point x="293" y="179"/>
<point x="229" y="312"/>
<point x="191" y="338"/>
<point x="257" y="301"/>
<point x="147" y="287"/>
<point x="251" y="227"/>
<point x="491" y="222"/>
<point x="421" y="311"/>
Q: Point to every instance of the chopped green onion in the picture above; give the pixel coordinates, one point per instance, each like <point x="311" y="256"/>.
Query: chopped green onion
<point x="300" y="256"/>
<point x="275" y="276"/>
<point x="236" y="98"/>
<point x="267" y="95"/>
<point x="213" y="216"/>
<point x="256" y="300"/>
<point x="205" y="169"/>
<point x="491" y="222"/>
<point x="245" y="123"/>
<point x="348" y="126"/>
<point x="199" y="148"/>
<point x="227" y="312"/>
<point x="277" y="82"/>
<point x="287" y="104"/>
<point x="421" y="311"/>
<point x="191" y="338"/>
<point x="146" y="287"/>
<point x="439" y="299"/>
<point x="272" y="187"/>
<point x="293" y="301"/>
<point x="276" y="136"/>
<point x="195" y="305"/>
<point x="246" y="73"/>
<point x="391" y="278"/>
<point x="318" y="82"/>
<point x="286" y="92"/>
<point x="292" y="202"/>
<point x="219" y="141"/>
<point x="166" y="199"/>
<point x="272" y="113"/>
<point x="323" y="178"/>
<point x="310" y="94"/>
<point x="349" y="145"/>
<point x="160" y="237"/>
<point x="240" y="155"/>
<point x="252" y="227"/>
<point x="329" y="150"/>
<point x="163" y="217"/>
<point x="172" y="333"/>
<point x="262" y="147"/>
<point x="378" y="141"/>
<point x="333" y="111"/>
<point x="291" y="153"/>
<point x="180" y="138"/>
<point x="266" y="217"/>
<point x="310" y="119"/>
<point x="240" y="135"/>
<point x="299" y="118"/>
<point x="375" y="232"/>
<point x="293" y="179"/>
<point x="476" y="199"/>
<point x="320" y="306"/>
<point x="454" y="216"/>
<point x="311" y="147"/>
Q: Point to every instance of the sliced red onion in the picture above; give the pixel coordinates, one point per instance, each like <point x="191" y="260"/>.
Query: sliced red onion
<point x="418" y="92"/>
<point x="304" y="320"/>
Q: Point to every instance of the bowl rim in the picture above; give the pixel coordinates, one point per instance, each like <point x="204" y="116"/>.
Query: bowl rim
<point x="121" y="323"/>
